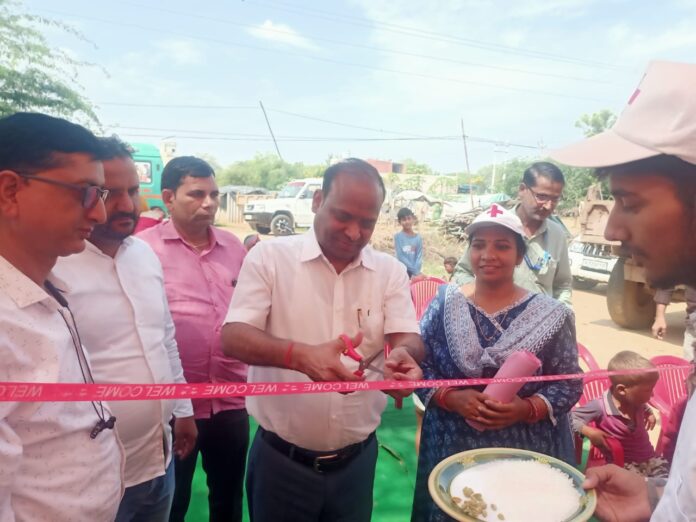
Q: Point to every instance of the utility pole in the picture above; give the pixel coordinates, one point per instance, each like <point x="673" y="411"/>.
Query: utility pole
<point x="270" y="130"/>
<point x="466" y="159"/>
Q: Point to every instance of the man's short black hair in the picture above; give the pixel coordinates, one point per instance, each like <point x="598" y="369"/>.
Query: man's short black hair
<point x="114" y="147"/>
<point x="178" y="168"/>
<point x="450" y="261"/>
<point x="680" y="172"/>
<point x="544" y="169"/>
<point x="404" y="212"/>
<point x="29" y="141"/>
<point x="351" y="165"/>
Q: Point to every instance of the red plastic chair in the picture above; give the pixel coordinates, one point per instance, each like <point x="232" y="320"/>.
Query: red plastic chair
<point x="669" y="390"/>
<point x="423" y="291"/>
<point x="587" y="455"/>
<point x="585" y="356"/>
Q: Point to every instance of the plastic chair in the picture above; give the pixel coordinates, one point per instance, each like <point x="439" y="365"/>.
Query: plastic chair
<point x="587" y="455"/>
<point x="669" y="390"/>
<point x="423" y="291"/>
<point x="585" y="356"/>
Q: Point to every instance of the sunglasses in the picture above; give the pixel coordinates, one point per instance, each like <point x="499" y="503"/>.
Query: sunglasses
<point x="91" y="194"/>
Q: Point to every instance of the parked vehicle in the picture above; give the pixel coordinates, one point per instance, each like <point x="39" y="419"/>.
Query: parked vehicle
<point x="289" y="211"/>
<point x="591" y="257"/>
<point x="148" y="162"/>
<point x="594" y="259"/>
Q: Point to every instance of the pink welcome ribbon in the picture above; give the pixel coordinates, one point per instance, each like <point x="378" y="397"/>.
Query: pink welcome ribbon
<point x="75" y="392"/>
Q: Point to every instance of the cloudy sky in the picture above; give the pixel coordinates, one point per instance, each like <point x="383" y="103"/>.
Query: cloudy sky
<point x="386" y="79"/>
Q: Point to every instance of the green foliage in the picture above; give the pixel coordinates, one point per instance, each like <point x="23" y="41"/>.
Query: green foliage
<point x="444" y="185"/>
<point x="33" y="76"/>
<point x="413" y="167"/>
<point x="508" y="176"/>
<point x="266" y="170"/>
<point x="596" y="123"/>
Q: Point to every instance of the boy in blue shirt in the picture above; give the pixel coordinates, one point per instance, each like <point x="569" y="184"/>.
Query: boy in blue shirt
<point x="408" y="244"/>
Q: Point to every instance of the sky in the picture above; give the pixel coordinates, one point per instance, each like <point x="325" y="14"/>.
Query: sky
<point x="384" y="79"/>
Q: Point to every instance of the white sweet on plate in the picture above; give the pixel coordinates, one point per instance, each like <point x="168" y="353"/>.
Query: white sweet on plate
<point x="519" y="491"/>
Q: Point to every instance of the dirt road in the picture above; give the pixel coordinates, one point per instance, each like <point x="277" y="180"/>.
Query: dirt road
<point x="597" y="331"/>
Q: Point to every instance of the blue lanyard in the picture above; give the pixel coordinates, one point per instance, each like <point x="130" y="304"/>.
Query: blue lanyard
<point x="544" y="260"/>
<point x="538" y="266"/>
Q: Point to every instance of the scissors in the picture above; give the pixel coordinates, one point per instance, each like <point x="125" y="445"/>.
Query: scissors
<point x="363" y="363"/>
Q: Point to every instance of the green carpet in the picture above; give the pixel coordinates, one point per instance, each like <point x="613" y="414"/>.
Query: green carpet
<point x="394" y="480"/>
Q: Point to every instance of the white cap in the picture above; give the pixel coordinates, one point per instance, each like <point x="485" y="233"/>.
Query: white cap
<point x="660" y="118"/>
<point x="496" y="215"/>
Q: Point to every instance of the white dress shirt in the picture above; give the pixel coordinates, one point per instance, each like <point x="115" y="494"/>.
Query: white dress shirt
<point x="50" y="469"/>
<point x="289" y="289"/>
<point x="678" y="502"/>
<point x="121" y="311"/>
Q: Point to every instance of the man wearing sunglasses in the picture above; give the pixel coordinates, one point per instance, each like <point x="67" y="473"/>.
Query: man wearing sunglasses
<point x="546" y="268"/>
<point x="58" y="460"/>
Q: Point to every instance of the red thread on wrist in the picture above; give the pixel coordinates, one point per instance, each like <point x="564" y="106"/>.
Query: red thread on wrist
<point x="287" y="360"/>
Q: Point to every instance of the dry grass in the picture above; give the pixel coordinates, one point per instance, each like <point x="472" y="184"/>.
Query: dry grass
<point x="436" y="246"/>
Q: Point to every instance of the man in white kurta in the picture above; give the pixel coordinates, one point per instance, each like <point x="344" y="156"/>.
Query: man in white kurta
<point x="115" y="288"/>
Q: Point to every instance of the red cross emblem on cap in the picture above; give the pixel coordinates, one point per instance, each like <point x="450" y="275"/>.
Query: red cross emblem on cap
<point x="494" y="211"/>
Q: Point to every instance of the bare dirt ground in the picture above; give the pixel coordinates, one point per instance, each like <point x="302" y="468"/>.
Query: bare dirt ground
<point x="595" y="329"/>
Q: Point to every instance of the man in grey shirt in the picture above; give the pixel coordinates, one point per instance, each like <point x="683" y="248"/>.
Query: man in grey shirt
<point x="545" y="268"/>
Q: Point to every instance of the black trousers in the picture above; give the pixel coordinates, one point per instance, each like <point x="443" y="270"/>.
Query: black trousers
<point x="223" y="440"/>
<point x="282" y="490"/>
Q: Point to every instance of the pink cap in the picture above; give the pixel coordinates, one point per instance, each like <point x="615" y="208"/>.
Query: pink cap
<point x="660" y="118"/>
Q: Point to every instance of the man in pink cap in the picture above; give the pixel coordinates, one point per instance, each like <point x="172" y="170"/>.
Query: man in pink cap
<point x="649" y="157"/>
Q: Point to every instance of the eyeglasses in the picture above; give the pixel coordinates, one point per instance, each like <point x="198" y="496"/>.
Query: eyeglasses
<point x="544" y="198"/>
<point x="91" y="194"/>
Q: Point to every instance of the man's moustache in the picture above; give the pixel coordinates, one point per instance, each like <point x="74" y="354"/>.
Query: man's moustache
<point x="122" y="215"/>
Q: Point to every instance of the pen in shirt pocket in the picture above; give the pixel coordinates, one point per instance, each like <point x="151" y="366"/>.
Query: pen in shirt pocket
<point x="361" y="314"/>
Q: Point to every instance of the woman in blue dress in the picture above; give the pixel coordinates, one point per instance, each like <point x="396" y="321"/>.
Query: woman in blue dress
<point x="469" y="331"/>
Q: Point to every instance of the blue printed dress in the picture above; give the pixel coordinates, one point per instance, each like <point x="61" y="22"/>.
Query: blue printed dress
<point x="461" y="340"/>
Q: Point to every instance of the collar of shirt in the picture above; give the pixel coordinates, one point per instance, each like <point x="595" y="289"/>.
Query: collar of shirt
<point x="23" y="291"/>
<point x="170" y="233"/>
<point x="311" y="250"/>
<point x="611" y="408"/>
<point x="540" y="231"/>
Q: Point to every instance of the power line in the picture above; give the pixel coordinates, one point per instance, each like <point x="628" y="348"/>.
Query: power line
<point x="329" y="60"/>
<point x="177" y="106"/>
<point x="316" y="138"/>
<point x="348" y="125"/>
<point x="430" y="35"/>
<point x="222" y="136"/>
<point x="366" y="47"/>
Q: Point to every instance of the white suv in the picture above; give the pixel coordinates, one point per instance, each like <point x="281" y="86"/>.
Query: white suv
<point x="290" y="210"/>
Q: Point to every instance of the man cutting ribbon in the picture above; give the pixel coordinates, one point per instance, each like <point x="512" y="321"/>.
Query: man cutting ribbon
<point x="294" y="299"/>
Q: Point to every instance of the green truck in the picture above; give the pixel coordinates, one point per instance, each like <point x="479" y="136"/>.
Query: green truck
<point x="148" y="161"/>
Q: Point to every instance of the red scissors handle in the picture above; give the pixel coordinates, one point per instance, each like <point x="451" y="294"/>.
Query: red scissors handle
<point x="350" y="351"/>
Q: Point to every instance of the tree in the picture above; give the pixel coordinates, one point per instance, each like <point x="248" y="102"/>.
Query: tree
<point x="33" y="76"/>
<point x="267" y="171"/>
<point x="596" y="122"/>
<point x="413" y="167"/>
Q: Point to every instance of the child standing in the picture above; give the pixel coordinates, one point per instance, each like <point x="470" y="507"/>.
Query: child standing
<point x="408" y="244"/>
<point x="623" y="413"/>
<point x="450" y="263"/>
